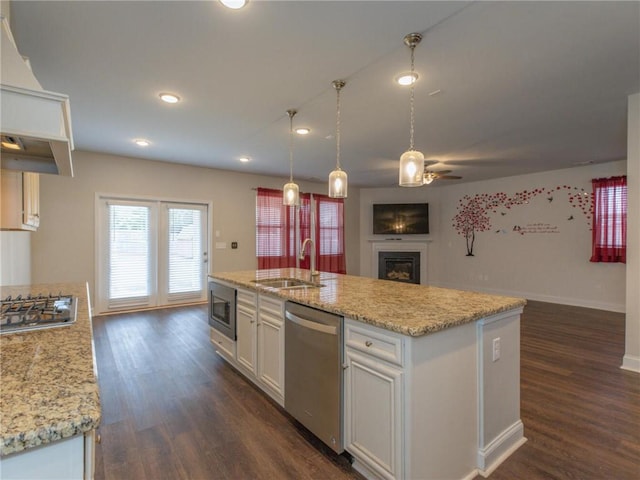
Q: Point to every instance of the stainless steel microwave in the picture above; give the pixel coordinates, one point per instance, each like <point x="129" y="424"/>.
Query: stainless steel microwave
<point x="222" y="309"/>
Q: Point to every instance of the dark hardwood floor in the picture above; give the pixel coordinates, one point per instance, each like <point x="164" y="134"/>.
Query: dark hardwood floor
<point x="172" y="409"/>
<point x="581" y="412"/>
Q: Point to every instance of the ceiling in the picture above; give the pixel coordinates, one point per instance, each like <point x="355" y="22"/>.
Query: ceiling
<point x="523" y="86"/>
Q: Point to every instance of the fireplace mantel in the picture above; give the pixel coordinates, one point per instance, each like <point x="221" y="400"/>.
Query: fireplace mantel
<point x="388" y="245"/>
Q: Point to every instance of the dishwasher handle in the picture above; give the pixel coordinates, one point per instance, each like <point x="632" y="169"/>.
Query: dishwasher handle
<point x="310" y="324"/>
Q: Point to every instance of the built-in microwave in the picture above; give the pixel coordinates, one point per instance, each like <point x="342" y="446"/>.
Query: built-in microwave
<point x="222" y="309"/>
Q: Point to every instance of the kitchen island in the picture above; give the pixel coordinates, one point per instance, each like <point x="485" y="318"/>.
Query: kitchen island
<point x="49" y="398"/>
<point x="431" y="375"/>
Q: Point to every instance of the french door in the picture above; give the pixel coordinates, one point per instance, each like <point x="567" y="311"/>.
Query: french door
<point x="150" y="253"/>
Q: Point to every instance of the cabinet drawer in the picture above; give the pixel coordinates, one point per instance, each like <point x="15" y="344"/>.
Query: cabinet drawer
<point x="223" y="344"/>
<point x="375" y="342"/>
<point x="246" y="297"/>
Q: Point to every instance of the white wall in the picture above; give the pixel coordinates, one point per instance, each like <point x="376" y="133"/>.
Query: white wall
<point x="631" y="359"/>
<point x="551" y="267"/>
<point x="15" y="258"/>
<point x="63" y="248"/>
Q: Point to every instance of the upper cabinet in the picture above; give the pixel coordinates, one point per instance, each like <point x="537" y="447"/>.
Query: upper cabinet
<point x="20" y="200"/>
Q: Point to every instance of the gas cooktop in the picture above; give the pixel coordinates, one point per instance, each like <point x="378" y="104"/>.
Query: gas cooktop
<point x="24" y="313"/>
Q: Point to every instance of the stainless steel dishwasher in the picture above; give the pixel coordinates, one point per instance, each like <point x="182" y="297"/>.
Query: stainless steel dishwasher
<point x="313" y="371"/>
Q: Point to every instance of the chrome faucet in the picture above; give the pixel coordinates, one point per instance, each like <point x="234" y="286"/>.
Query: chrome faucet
<point x="312" y="252"/>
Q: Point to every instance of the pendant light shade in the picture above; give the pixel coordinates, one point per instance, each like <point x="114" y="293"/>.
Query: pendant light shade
<point x="291" y="192"/>
<point x="411" y="166"/>
<point x="338" y="178"/>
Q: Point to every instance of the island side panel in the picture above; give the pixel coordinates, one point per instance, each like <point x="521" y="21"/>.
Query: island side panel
<point x="500" y="429"/>
<point x="442" y="426"/>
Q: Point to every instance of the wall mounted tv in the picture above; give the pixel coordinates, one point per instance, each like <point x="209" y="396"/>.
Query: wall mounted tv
<point x="401" y="219"/>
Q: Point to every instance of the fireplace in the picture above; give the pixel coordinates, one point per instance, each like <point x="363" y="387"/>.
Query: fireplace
<point x="399" y="266"/>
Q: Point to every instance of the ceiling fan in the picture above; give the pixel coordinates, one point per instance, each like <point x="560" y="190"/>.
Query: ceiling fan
<point x="429" y="176"/>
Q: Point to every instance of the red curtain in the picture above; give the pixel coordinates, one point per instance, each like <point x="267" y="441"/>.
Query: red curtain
<point x="275" y="231"/>
<point x="305" y="227"/>
<point x="609" y="242"/>
<point x="329" y="243"/>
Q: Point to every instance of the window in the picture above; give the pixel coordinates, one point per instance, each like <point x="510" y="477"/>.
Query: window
<point x="185" y="250"/>
<point x="330" y="234"/>
<point x="150" y="253"/>
<point x="279" y="229"/>
<point x="609" y="243"/>
<point x="129" y="252"/>
<point x="275" y="231"/>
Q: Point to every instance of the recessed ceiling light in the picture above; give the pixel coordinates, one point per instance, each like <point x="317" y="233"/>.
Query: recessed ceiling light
<point x="244" y="159"/>
<point x="141" y="142"/>
<point x="303" y="131"/>
<point x="234" y="4"/>
<point x="169" y="98"/>
<point x="407" y="78"/>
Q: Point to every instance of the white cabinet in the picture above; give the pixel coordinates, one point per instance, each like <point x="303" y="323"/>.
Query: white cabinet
<point x="67" y="459"/>
<point x="20" y="200"/>
<point x="271" y="345"/>
<point x="373" y="400"/>
<point x="258" y="351"/>
<point x="247" y="331"/>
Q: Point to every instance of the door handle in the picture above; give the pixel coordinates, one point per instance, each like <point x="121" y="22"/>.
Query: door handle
<point x="318" y="327"/>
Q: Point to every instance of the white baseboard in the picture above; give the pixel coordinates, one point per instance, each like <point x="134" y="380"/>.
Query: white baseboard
<point x="576" y="302"/>
<point x="491" y="456"/>
<point x="631" y="363"/>
<point x="364" y="470"/>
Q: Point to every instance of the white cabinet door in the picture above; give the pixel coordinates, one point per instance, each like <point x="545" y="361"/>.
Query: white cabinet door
<point x="20" y="200"/>
<point x="271" y="353"/>
<point x="60" y="460"/>
<point x="373" y="414"/>
<point x="246" y="342"/>
<point x="31" y="199"/>
<point x="271" y="345"/>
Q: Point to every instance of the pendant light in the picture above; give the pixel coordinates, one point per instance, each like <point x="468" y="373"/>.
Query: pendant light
<point x="291" y="192"/>
<point x="338" y="178"/>
<point x="411" y="161"/>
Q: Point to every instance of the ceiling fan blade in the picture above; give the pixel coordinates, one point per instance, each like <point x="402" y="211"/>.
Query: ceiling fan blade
<point x="448" y="177"/>
<point x="441" y="172"/>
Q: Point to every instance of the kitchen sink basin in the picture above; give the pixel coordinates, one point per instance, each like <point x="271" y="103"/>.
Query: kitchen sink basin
<point x="286" y="283"/>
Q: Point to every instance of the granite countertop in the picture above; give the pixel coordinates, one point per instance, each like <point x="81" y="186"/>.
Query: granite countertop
<point x="400" y="307"/>
<point x="49" y="388"/>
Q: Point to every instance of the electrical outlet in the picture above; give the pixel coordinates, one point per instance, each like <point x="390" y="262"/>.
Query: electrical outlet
<point x="496" y="349"/>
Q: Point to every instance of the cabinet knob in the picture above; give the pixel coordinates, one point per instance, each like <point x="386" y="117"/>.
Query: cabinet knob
<point x="368" y="343"/>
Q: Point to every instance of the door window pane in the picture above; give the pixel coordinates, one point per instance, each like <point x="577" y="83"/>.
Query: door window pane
<point x="185" y="250"/>
<point x="128" y="252"/>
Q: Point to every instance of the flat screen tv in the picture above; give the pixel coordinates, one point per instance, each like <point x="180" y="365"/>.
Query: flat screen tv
<point x="401" y="219"/>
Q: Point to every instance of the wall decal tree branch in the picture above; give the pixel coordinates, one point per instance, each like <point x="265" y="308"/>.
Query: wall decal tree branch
<point x="473" y="211"/>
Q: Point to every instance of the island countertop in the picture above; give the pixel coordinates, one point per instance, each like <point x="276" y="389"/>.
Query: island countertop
<point x="405" y="308"/>
<point x="49" y="385"/>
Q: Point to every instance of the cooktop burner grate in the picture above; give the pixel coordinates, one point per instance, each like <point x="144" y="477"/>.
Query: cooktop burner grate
<point x="30" y="312"/>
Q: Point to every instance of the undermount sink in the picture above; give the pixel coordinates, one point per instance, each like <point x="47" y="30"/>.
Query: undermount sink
<point x="286" y="283"/>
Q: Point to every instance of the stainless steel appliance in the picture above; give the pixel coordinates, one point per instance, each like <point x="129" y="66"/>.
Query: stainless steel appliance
<point x="26" y="313"/>
<point x="222" y="309"/>
<point x="313" y="371"/>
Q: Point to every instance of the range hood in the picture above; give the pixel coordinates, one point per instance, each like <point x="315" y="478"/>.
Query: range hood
<point x="35" y="124"/>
